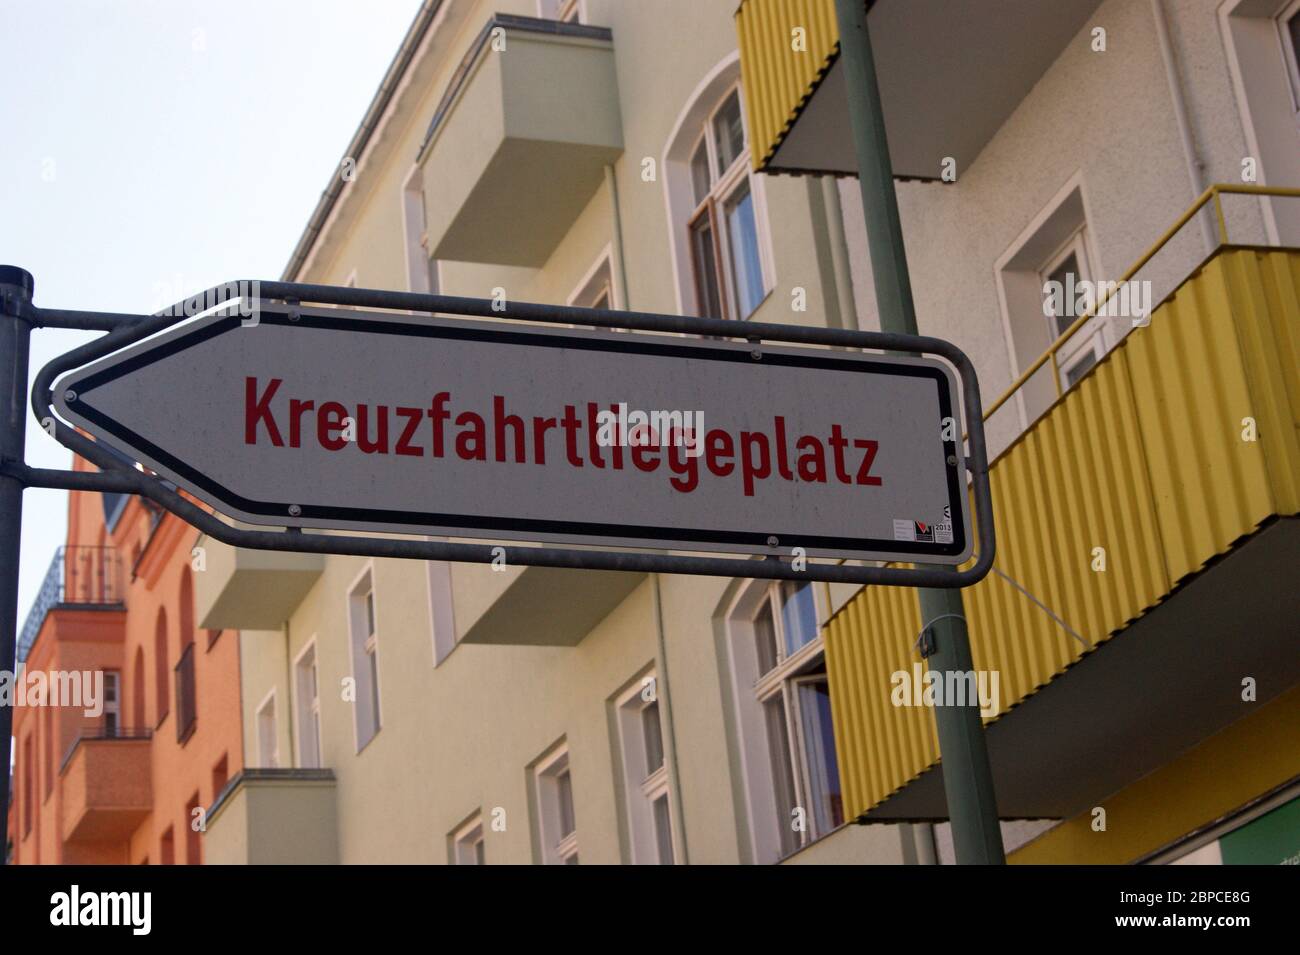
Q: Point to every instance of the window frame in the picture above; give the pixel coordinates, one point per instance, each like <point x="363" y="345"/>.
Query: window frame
<point x="368" y="650"/>
<point x="1088" y="340"/>
<point x="723" y="186"/>
<point x="806" y="664"/>
<point x="465" y="837"/>
<point x="268" y="701"/>
<point x="557" y="849"/>
<point x="1291" y="52"/>
<point x="312" y="708"/>
<point x="643" y="788"/>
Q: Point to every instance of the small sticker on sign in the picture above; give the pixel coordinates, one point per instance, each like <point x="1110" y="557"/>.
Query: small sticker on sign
<point x="904" y="531"/>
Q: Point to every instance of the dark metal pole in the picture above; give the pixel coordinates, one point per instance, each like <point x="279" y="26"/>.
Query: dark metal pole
<point x="967" y="776"/>
<point x="15" y="337"/>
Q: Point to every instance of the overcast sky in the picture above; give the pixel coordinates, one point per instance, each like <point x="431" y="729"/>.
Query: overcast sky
<point x="149" y="150"/>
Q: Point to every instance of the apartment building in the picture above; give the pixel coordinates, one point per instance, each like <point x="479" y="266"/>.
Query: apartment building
<point x="609" y="153"/>
<point x="121" y="771"/>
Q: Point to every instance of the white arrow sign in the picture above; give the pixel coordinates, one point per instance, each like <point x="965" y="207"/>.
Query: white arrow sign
<point x="332" y="418"/>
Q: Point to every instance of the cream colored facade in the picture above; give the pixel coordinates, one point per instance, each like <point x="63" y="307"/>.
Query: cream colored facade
<point x="486" y="676"/>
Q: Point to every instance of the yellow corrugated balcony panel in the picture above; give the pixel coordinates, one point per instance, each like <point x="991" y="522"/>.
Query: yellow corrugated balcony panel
<point x="1148" y="459"/>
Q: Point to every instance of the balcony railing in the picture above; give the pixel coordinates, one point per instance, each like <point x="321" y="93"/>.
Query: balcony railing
<point x="79" y="575"/>
<point x="106" y="730"/>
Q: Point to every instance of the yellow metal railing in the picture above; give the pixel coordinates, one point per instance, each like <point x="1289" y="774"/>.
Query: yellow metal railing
<point x="1214" y="195"/>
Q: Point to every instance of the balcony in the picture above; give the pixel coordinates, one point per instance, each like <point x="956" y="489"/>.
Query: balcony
<point x="536" y="606"/>
<point x="274" y="817"/>
<point x="518" y="145"/>
<point x="105" y="784"/>
<point x="80" y="578"/>
<point x="950" y="75"/>
<point x="1148" y="457"/>
<point x="244" y="589"/>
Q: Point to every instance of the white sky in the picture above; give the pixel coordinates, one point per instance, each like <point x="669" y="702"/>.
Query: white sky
<point x="150" y="150"/>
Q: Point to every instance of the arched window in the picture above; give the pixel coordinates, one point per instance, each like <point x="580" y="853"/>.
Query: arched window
<point x="716" y="207"/>
<point x="186" y="609"/>
<point x="161" y="668"/>
<point x="186" y="698"/>
<point x="137" y="691"/>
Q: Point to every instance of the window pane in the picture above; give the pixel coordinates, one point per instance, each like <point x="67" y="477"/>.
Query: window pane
<point x="654" y="738"/>
<point x="564" y="795"/>
<point x="370" y="613"/>
<point x="778" y="741"/>
<point x="729" y="133"/>
<point x="765" y="638"/>
<point x="1080" y="368"/>
<point x="479" y="854"/>
<point x="706" y="270"/>
<point x="798" y="614"/>
<point x="572" y="860"/>
<point x="700" y="178"/>
<point x="1060" y="275"/>
<point x="823" y="769"/>
<point x="742" y="237"/>
<point x="373" y="659"/>
<point x="1293" y="26"/>
<point x="663" y="830"/>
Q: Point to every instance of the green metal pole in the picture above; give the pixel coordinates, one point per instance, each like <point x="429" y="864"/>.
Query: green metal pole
<point x="967" y="777"/>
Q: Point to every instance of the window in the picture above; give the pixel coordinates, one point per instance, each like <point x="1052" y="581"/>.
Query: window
<point x="112" y="703"/>
<point x="559" y="826"/>
<point x="566" y="11"/>
<point x="722" y="229"/>
<point x="186" y="703"/>
<point x="193" y="837"/>
<point x="220" y="776"/>
<point x="645" y="774"/>
<point x="307" y="695"/>
<point x="161" y="671"/>
<point x="29" y="773"/>
<point x="467" y="842"/>
<point x="138" y="691"/>
<point x="421" y="268"/>
<point x="597" y="288"/>
<point x="1289" y="23"/>
<point x="268" y="738"/>
<point x="167" y="848"/>
<point x="49" y="751"/>
<point x="1067" y="269"/>
<point x="365" y="659"/>
<point x="783" y="699"/>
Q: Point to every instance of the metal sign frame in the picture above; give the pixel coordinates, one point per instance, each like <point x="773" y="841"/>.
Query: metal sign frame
<point x="118" y="476"/>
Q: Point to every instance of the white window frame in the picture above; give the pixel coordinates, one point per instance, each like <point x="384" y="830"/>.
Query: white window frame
<point x="307" y="712"/>
<point x="465" y="837"/>
<point x="442" y="608"/>
<point x="564" y="11"/>
<point x="752" y="692"/>
<point x="1088" y="341"/>
<point x="368" y="647"/>
<point x="1290" y="55"/>
<point x="557" y="849"/>
<point x="679" y="197"/>
<point x="642" y="789"/>
<point x="597" y="280"/>
<point x="423" y="272"/>
<point x="268" y="715"/>
<point x="724" y="184"/>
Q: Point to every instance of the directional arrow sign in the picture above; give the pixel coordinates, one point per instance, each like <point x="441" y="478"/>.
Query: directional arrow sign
<point x="354" y="420"/>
